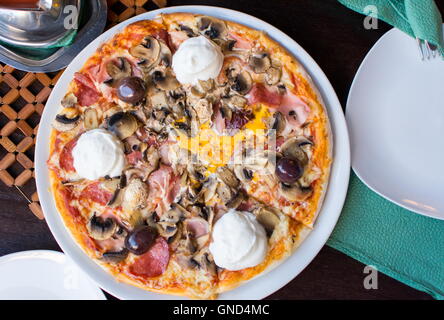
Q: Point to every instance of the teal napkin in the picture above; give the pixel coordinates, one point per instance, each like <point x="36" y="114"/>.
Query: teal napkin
<point x="402" y="244"/>
<point x="417" y="18"/>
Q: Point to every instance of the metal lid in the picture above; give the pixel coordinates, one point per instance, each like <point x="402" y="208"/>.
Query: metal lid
<point x="39" y="28"/>
<point x="94" y="14"/>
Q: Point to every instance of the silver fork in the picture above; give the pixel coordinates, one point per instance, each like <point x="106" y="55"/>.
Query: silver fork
<point x="427" y="50"/>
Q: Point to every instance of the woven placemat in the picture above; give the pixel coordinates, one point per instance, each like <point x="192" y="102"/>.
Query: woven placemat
<point x="22" y="99"/>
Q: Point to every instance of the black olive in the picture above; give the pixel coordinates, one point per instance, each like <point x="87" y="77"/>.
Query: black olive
<point x="288" y="170"/>
<point x="131" y="89"/>
<point x="141" y="239"/>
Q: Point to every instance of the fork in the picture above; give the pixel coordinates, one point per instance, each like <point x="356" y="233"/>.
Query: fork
<point x="427" y="50"/>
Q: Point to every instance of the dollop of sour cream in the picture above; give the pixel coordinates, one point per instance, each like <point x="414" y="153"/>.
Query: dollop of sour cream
<point x="239" y="241"/>
<point x="98" y="153"/>
<point x="197" y="59"/>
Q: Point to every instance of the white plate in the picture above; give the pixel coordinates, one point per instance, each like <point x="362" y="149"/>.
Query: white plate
<point x="395" y="115"/>
<point x="261" y="286"/>
<point x="44" y="275"/>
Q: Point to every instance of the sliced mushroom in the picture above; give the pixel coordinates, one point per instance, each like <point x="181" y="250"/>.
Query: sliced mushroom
<point x="279" y="123"/>
<point x="192" y="119"/>
<point x="150" y="217"/>
<point x="202" y="241"/>
<point x="273" y="76"/>
<point x="204" y="260"/>
<point x="147" y="52"/>
<point x="295" y="192"/>
<point x="204" y="110"/>
<point x="135" y="196"/>
<point x="116" y="187"/>
<point x="197" y="171"/>
<point x="118" y="69"/>
<point x="292" y="148"/>
<point x="236" y="101"/>
<point x="268" y="219"/>
<point x="111" y="185"/>
<point x="67" y="119"/>
<point x="165" y="80"/>
<point x="70" y="100"/>
<point x="91" y="119"/>
<point x="242" y="83"/>
<point x="174" y="240"/>
<point x="190" y="32"/>
<point x="158" y="99"/>
<point x="115" y="256"/>
<point x="225" y="45"/>
<point x="209" y="190"/>
<point x="122" y="124"/>
<point x="175" y="214"/>
<point x="236" y="200"/>
<point x="165" y="55"/>
<point x="226" y="112"/>
<point x="207" y="213"/>
<point x="166" y="229"/>
<point x="259" y="62"/>
<point x="227" y="175"/>
<point x="224" y="192"/>
<point x="211" y="27"/>
<point x="242" y="173"/>
<point x="203" y="88"/>
<point x="101" y="229"/>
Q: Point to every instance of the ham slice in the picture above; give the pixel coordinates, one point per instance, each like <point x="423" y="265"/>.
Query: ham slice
<point x="260" y="94"/>
<point x="177" y="37"/>
<point x="197" y="227"/>
<point x="241" y="43"/>
<point x="164" y="186"/>
<point x="295" y="110"/>
<point x="86" y="91"/>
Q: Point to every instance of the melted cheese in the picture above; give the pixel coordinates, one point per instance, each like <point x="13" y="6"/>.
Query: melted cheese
<point x="216" y="150"/>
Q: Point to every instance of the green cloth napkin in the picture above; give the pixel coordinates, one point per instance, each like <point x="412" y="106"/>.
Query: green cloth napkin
<point x="402" y="244"/>
<point x="417" y="18"/>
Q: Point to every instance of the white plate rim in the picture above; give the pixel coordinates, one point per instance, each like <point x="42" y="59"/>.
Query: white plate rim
<point x="259" y="287"/>
<point x="354" y="166"/>
<point x="50" y="255"/>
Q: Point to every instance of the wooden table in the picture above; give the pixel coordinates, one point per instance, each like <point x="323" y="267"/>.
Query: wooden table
<point x="334" y="36"/>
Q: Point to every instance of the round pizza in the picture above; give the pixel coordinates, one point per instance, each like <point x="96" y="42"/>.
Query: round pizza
<point x="189" y="155"/>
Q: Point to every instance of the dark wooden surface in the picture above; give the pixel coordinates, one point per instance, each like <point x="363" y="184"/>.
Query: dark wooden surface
<point x="334" y="36"/>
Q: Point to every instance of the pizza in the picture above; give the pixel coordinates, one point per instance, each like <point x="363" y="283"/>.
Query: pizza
<point x="189" y="155"/>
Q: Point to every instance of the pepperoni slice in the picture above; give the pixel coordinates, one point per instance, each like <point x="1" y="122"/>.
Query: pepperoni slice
<point x="97" y="194"/>
<point x="154" y="262"/>
<point x="86" y="91"/>
<point x="66" y="159"/>
<point x="259" y="93"/>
